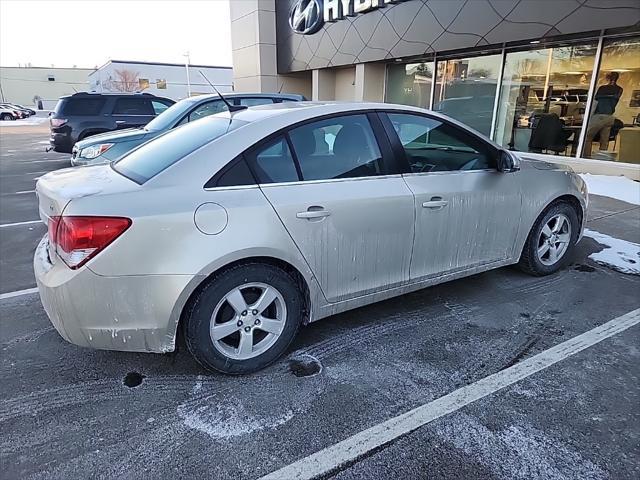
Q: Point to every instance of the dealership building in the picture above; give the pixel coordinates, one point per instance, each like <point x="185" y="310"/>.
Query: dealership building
<point x="555" y="77"/>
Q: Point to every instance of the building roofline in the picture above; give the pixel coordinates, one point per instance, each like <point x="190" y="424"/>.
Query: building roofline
<point x="50" y="68"/>
<point x="136" y="62"/>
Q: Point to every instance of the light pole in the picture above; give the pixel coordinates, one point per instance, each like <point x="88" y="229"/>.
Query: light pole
<point x="186" y="66"/>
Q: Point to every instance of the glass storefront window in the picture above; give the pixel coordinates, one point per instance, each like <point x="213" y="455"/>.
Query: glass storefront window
<point x="466" y="90"/>
<point x="613" y="132"/>
<point x="410" y="84"/>
<point x="543" y="97"/>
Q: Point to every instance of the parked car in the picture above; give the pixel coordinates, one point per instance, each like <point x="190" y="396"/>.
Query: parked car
<point x="7" y="113"/>
<point x="84" y="114"/>
<point x="107" y="147"/>
<point x="30" y="111"/>
<point x="17" y="112"/>
<point x="242" y="227"/>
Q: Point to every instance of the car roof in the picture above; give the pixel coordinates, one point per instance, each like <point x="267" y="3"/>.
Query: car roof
<point x="230" y="96"/>
<point x="315" y="109"/>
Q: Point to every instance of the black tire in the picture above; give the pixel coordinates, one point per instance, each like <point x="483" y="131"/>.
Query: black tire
<point x="6" y="116"/>
<point x="529" y="260"/>
<point x="197" y="320"/>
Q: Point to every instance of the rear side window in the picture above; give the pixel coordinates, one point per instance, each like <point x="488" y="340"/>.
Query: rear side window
<point x="133" y="106"/>
<point x="273" y="163"/>
<point x="252" y="102"/>
<point x="159" y="107"/>
<point x="153" y="157"/>
<point x="338" y="147"/>
<point x="80" y="106"/>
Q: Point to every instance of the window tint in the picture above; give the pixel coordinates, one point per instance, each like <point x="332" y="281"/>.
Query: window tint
<point x="207" y="109"/>
<point x="151" y="158"/>
<point x="339" y="147"/>
<point x="133" y="106"/>
<point x="158" y="107"/>
<point x="235" y="174"/>
<point x="81" y="106"/>
<point x="433" y="146"/>
<point x="273" y="163"/>
<point x="252" y="102"/>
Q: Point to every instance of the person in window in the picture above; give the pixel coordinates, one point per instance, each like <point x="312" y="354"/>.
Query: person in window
<point x="606" y="98"/>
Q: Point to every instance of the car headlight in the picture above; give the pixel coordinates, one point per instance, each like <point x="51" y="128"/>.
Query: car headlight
<point x="94" y="151"/>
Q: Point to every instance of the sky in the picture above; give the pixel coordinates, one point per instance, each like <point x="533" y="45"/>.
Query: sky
<point x="87" y="33"/>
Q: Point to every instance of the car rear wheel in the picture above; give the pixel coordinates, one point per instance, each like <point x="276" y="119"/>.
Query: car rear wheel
<point x="6" y="116"/>
<point x="244" y="318"/>
<point x="551" y="240"/>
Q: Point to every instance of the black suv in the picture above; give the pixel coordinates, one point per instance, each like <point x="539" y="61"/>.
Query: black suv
<point x="84" y="114"/>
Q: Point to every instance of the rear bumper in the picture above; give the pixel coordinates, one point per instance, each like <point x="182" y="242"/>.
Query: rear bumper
<point x="61" y="142"/>
<point x="128" y="313"/>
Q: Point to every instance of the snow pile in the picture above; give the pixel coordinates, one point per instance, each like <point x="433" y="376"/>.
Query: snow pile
<point x="618" y="254"/>
<point x="620" y="188"/>
<point x="24" y="122"/>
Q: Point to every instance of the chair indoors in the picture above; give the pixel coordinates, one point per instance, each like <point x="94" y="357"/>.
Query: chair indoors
<point x="548" y="134"/>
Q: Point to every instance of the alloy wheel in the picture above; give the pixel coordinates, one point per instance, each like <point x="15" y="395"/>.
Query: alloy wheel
<point x="248" y="320"/>
<point x="554" y="239"/>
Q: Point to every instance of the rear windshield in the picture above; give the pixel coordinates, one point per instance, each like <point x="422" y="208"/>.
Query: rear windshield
<point x="79" y="106"/>
<point x="151" y="158"/>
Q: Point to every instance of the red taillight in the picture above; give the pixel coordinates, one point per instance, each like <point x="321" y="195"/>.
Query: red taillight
<point x="78" y="239"/>
<point x="57" y="122"/>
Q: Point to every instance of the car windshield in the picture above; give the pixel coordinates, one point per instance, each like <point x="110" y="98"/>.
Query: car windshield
<point x="170" y="116"/>
<point x="153" y="157"/>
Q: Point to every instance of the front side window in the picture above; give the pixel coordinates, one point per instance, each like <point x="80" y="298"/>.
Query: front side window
<point x="273" y="162"/>
<point x="434" y="146"/>
<point x="339" y="147"/>
<point x="133" y="106"/>
<point x="206" y="109"/>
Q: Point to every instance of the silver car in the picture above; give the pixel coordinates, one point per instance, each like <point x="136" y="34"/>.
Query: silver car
<point x="238" y="229"/>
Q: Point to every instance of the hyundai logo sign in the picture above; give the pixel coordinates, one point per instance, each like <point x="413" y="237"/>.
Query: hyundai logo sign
<point x="308" y="16"/>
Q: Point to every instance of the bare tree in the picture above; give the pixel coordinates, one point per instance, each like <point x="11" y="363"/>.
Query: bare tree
<point x="124" y="81"/>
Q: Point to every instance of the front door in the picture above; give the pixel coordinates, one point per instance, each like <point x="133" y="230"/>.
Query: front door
<point x="351" y="219"/>
<point x="467" y="213"/>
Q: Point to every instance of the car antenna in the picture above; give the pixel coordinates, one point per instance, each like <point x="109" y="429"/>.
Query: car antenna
<point x="232" y="108"/>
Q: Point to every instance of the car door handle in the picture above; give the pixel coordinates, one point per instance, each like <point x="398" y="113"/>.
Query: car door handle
<point x="120" y="122"/>
<point x="435" y="203"/>
<point x="317" y="212"/>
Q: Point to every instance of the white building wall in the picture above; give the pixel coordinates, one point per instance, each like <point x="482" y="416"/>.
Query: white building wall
<point x="22" y="84"/>
<point x="108" y="78"/>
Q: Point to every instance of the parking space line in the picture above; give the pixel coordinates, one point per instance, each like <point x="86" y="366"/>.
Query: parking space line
<point x="30" y="222"/>
<point x="330" y="459"/>
<point x="18" y="193"/>
<point x="18" y="293"/>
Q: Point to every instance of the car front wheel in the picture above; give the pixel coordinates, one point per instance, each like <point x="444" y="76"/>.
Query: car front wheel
<point x="551" y="240"/>
<point x="244" y="318"/>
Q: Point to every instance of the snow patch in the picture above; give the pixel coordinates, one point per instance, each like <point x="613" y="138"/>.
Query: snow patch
<point x="619" y="255"/>
<point x="517" y="451"/>
<point x="620" y="188"/>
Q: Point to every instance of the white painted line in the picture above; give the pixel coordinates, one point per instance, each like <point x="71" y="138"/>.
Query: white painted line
<point x="30" y="222"/>
<point x="331" y="458"/>
<point x="18" y="293"/>
<point x="18" y="193"/>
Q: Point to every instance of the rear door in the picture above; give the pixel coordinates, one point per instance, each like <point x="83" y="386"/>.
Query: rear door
<point x="334" y="185"/>
<point x="131" y="112"/>
<point x="467" y="212"/>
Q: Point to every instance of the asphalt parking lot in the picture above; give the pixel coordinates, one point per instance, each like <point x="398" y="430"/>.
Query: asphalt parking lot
<point x="69" y="412"/>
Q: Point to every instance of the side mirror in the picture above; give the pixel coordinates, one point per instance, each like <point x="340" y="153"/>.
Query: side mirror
<point x="507" y="163"/>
